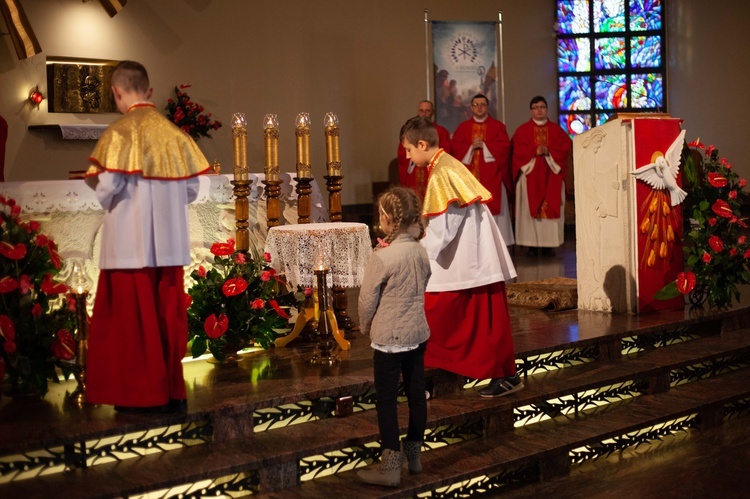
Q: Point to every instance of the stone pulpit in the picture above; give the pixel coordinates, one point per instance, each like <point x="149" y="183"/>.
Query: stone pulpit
<point x="628" y="213"/>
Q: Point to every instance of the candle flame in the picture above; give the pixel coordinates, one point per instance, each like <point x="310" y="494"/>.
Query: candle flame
<point x="239" y="120"/>
<point x="330" y="120"/>
<point x="270" y="121"/>
<point x="303" y="120"/>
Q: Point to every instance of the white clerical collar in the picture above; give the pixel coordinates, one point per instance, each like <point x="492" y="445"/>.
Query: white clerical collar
<point x="482" y="120"/>
<point x="540" y="122"/>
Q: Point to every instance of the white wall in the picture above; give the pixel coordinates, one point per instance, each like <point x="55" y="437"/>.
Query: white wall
<point x="363" y="61"/>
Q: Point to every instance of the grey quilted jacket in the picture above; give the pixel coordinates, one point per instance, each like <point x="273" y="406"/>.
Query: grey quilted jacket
<point x="391" y="299"/>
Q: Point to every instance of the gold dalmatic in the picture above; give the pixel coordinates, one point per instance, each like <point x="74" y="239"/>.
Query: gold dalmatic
<point x="145" y="142"/>
<point x="450" y="181"/>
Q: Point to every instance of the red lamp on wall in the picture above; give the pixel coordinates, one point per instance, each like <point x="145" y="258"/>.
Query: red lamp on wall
<point x="36" y="97"/>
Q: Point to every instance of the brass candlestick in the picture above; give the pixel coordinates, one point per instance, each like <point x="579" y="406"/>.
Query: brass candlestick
<point x="80" y="283"/>
<point x="271" y="170"/>
<point x="241" y="182"/>
<point x="324" y="356"/>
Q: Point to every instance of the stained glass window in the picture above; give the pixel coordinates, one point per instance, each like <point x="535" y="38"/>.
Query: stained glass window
<point x="610" y="57"/>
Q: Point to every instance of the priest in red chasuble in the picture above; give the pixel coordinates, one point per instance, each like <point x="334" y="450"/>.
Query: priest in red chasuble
<point x="481" y="143"/>
<point x="540" y="165"/>
<point x="144" y="171"/>
<point x="411" y="175"/>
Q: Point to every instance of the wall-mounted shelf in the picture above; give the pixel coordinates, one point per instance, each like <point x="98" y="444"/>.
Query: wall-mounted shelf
<point x="75" y="132"/>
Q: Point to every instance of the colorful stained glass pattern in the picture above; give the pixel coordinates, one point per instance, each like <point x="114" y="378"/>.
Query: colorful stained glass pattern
<point x="645" y="51"/>
<point x="573" y="16"/>
<point x="602" y="118"/>
<point x="609" y="16"/>
<point x="609" y="53"/>
<point x="611" y="92"/>
<point x="573" y="54"/>
<point x="647" y="91"/>
<point x="574" y="124"/>
<point x="645" y="15"/>
<point x="574" y="93"/>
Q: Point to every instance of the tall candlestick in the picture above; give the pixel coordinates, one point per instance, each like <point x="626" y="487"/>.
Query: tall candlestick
<point x="239" y="141"/>
<point x="333" y="160"/>
<point x="303" y="145"/>
<point x="271" y="142"/>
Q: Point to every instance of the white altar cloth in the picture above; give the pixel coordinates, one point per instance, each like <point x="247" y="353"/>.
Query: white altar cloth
<point x="70" y="214"/>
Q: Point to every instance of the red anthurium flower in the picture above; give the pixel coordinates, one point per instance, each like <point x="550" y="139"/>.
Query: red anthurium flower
<point x="52" y="249"/>
<point x="239" y="258"/>
<point x="685" y="282"/>
<point x="722" y="208"/>
<point x="742" y="183"/>
<point x="7" y="329"/>
<point x="41" y="240"/>
<point x="732" y="194"/>
<point x="12" y="252"/>
<point x="717" y="179"/>
<point x="712" y="221"/>
<point x="741" y="223"/>
<point x="732" y="251"/>
<point x="258" y="303"/>
<point x="202" y="271"/>
<point x="215" y="326"/>
<point x="234" y="286"/>
<point x="51" y="287"/>
<point x="36" y="310"/>
<point x="697" y="143"/>
<point x="278" y="309"/>
<point x="716" y="243"/>
<point x="15" y="211"/>
<point x="222" y="249"/>
<point x="7" y="284"/>
<point x="64" y="346"/>
<point x="188" y="300"/>
<point x="24" y="283"/>
<point x="265" y="276"/>
<point x="267" y="256"/>
<point x="706" y="258"/>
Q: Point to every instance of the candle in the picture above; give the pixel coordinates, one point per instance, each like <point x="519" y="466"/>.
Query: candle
<point x="303" y="145"/>
<point x="239" y="141"/>
<point x="271" y="142"/>
<point x="333" y="160"/>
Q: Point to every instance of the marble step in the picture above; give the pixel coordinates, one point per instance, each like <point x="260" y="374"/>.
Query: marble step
<point x="543" y="447"/>
<point x="274" y="450"/>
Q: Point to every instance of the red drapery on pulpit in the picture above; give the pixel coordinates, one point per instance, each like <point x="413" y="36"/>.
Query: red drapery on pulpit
<point x="659" y="224"/>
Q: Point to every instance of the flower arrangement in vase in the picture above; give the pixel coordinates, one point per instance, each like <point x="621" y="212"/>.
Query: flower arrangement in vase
<point x="37" y="322"/>
<point x="238" y="301"/>
<point x="189" y="115"/>
<point x="716" y="251"/>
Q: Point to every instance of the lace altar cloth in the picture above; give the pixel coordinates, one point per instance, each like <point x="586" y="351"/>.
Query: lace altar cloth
<point x="344" y="247"/>
<point x="70" y="214"/>
<point x="82" y="132"/>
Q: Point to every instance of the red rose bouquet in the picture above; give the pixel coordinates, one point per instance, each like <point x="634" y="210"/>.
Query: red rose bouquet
<point x="36" y="320"/>
<point x="239" y="300"/>
<point x="189" y="115"/>
<point x="716" y="251"/>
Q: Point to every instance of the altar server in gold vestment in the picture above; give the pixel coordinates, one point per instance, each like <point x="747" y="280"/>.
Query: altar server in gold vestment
<point x="144" y="171"/>
<point x="466" y="302"/>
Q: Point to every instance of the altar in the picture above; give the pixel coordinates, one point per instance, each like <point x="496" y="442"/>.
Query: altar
<point x="70" y="214"/>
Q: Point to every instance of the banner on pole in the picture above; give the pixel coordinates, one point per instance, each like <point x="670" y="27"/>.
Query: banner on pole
<point x="465" y="64"/>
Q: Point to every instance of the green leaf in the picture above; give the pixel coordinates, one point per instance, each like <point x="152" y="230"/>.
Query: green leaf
<point x="668" y="292"/>
<point x="198" y="347"/>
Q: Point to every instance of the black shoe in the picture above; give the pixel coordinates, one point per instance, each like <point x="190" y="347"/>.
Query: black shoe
<point x="501" y="386"/>
<point x="533" y="252"/>
<point x="177" y="405"/>
<point x="548" y="251"/>
<point x="154" y="409"/>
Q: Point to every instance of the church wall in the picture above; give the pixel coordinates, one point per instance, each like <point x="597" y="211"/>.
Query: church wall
<point x="363" y="61"/>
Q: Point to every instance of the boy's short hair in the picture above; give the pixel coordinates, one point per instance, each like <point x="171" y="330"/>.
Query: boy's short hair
<point x="131" y="76"/>
<point x="419" y="128"/>
<point x="536" y="99"/>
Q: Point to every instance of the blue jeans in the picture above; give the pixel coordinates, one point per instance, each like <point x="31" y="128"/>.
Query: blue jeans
<point x="388" y="367"/>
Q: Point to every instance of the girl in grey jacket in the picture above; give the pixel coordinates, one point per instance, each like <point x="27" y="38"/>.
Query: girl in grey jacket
<point x="391" y="311"/>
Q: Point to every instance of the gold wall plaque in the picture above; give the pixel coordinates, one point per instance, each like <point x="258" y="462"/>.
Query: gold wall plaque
<point x="80" y="86"/>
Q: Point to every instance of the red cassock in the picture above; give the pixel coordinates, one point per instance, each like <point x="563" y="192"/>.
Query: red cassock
<point x="494" y="174"/>
<point x="3" y="138"/>
<point x="417" y="179"/>
<point x="544" y="187"/>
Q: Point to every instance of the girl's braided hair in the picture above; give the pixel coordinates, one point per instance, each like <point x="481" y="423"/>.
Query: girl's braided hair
<point x="402" y="206"/>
